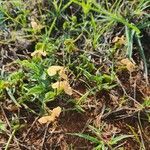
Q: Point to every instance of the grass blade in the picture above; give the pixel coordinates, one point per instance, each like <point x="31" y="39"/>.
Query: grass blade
<point x="87" y="137"/>
<point x="129" y="37"/>
<point x="143" y="57"/>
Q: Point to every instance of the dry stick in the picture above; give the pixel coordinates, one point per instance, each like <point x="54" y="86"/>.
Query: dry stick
<point x="54" y="132"/>
<point x="122" y="144"/>
<point x="86" y="125"/>
<point x="78" y="92"/>
<point x="30" y="128"/>
<point x="44" y="135"/>
<point x="140" y="126"/>
<point x="9" y="140"/>
<point x="140" y="131"/>
<point x="58" y="141"/>
<point x="8" y="123"/>
<point x="16" y="140"/>
<point x="24" y="146"/>
<point x="148" y="138"/>
<point x="127" y="94"/>
<point x="102" y="112"/>
<point x="135" y="89"/>
<point x="123" y="117"/>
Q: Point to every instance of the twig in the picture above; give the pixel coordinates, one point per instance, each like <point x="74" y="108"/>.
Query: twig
<point x="44" y="136"/>
<point x="78" y="92"/>
<point x="9" y="140"/>
<point x="140" y="131"/>
<point x="85" y="127"/>
<point x="30" y="128"/>
<point x="27" y="148"/>
<point x="135" y="89"/>
<point x="7" y="121"/>
<point x="127" y="94"/>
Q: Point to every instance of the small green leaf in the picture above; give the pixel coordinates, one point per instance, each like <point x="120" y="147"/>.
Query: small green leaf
<point x="146" y="102"/>
<point x="40" y="46"/>
<point x="15" y="77"/>
<point x="116" y="139"/>
<point x="49" y="96"/>
<point x="2" y="126"/>
<point x="36" y="90"/>
<point x="30" y="65"/>
<point x="87" y="137"/>
<point x="2" y="84"/>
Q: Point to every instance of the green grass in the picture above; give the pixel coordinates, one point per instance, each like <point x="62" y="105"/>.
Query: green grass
<point x="100" y="142"/>
<point x="78" y="35"/>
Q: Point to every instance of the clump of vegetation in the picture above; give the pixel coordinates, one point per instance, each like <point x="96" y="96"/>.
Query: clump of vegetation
<point x="61" y="60"/>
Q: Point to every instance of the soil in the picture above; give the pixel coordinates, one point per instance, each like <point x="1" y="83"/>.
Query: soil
<point x="34" y="136"/>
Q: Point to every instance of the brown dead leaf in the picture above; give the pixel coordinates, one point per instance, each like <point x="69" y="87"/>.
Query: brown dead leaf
<point x="51" y="118"/>
<point x="119" y="40"/>
<point x="36" y="26"/>
<point x="62" y="74"/>
<point x="53" y="70"/>
<point x="38" y="53"/>
<point x="129" y="65"/>
<point x="63" y="85"/>
<point x="67" y="88"/>
<point x="12" y="108"/>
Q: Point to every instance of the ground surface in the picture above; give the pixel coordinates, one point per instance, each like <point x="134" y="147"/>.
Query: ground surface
<point x="104" y="50"/>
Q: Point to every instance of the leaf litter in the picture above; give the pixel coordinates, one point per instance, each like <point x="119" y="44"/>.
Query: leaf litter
<point x="71" y="121"/>
<point x="55" y="113"/>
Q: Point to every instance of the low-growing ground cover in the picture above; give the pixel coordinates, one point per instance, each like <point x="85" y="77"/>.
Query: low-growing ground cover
<point x="74" y="74"/>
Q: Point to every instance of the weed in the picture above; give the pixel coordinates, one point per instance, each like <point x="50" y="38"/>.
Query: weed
<point x="57" y="45"/>
<point x="99" y="141"/>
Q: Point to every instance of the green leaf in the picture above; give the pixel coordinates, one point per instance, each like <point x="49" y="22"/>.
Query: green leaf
<point x="2" y="84"/>
<point x="40" y="46"/>
<point x="36" y="90"/>
<point x="129" y="36"/>
<point x="2" y="126"/>
<point x="143" y="57"/>
<point x="49" y="96"/>
<point x="115" y="140"/>
<point x="107" y="78"/>
<point x="12" y="97"/>
<point x="30" y="65"/>
<point x="87" y="137"/>
<point x="15" y="77"/>
<point x="146" y="102"/>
